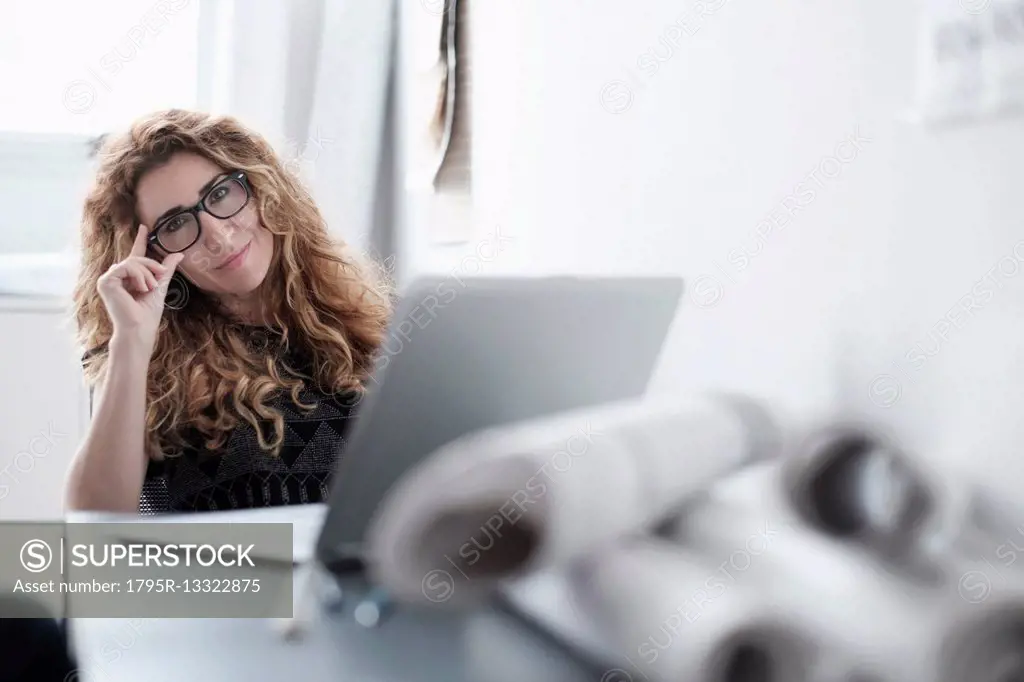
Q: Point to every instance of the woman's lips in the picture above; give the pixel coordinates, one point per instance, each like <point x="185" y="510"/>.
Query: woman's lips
<point x="236" y="261"/>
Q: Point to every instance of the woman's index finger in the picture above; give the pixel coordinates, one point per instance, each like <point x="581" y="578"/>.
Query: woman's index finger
<point x="139" y="246"/>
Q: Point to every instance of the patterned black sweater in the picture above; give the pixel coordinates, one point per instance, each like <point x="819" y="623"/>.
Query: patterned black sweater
<point x="243" y="476"/>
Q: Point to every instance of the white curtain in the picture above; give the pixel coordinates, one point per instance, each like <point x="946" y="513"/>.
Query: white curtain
<point x="315" y="77"/>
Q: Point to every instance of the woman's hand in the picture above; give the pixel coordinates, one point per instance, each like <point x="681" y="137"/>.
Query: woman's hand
<point x="133" y="292"/>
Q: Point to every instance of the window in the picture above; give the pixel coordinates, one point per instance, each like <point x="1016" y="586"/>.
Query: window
<point x="98" y="65"/>
<point x="70" y="72"/>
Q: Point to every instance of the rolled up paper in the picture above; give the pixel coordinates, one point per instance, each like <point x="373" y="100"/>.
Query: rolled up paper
<point x="853" y="481"/>
<point x="504" y="502"/>
<point x="850" y="482"/>
<point x="671" y="616"/>
<point x="896" y="628"/>
<point x="855" y="484"/>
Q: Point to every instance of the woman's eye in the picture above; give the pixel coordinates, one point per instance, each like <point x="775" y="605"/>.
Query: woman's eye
<point x="175" y="223"/>
<point x="217" y="194"/>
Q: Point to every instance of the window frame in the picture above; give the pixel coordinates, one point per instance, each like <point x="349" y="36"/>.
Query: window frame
<point x="42" y="150"/>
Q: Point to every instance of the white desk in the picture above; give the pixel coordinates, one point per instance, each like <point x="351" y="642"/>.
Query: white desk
<point x="414" y="645"/>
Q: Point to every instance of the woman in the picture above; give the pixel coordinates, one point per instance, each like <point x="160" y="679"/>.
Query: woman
<point x="227" y="334"/>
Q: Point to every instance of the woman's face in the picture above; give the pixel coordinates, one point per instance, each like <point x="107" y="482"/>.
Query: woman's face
<point x="232" y="255"/>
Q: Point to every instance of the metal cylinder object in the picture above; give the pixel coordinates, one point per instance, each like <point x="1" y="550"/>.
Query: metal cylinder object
<point x="373" y="608"/>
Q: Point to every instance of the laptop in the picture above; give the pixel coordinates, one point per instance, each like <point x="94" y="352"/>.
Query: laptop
<point x="464" y="355"/>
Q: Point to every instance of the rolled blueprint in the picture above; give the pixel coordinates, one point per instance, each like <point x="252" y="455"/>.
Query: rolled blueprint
<point x="899" y="628"/>
<point x="847" y="481"/>
<point x="671" y="615"/>
<point x="504" y="502"/>
<point x="853" y="483"/>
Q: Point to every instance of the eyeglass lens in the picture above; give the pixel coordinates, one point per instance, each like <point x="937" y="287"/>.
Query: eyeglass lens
<point x="223" y="201"/>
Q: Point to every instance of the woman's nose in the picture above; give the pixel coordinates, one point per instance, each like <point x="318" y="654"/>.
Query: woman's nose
<point x="218" y="235"/>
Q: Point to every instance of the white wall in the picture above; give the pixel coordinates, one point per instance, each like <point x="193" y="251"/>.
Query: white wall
<point x="595" y="162"/>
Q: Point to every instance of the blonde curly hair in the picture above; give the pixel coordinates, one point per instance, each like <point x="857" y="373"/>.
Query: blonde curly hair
<point x="204" y="376"/>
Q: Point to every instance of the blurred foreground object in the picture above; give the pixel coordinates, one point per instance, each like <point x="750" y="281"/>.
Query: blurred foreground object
<point x="507" y="501"/>
<point x="709" y="540"/>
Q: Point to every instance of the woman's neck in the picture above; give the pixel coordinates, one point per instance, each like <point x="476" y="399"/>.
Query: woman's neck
<point x="247" y="308"/>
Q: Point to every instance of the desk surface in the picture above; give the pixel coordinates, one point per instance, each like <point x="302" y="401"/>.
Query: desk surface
<point x="411" y="645"/>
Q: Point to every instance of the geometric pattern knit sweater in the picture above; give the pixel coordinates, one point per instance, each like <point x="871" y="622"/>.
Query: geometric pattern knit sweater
<point x="243" y="476"/>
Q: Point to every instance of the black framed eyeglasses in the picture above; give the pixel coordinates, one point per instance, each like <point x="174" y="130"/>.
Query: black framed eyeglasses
<point x="180" y="231"/>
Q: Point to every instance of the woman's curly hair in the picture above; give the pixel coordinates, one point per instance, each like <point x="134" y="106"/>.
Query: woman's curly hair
<point x="205" y="375"/>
